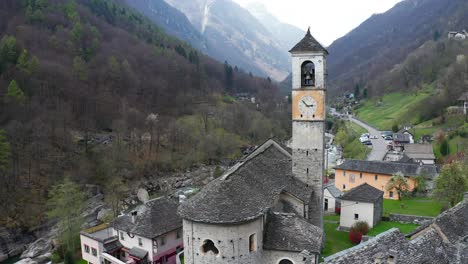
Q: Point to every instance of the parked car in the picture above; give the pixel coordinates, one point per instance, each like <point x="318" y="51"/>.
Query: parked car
<point x="388" y="138"/>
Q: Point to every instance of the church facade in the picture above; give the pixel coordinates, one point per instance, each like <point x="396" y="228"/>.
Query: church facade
<point x="268" y="207"/>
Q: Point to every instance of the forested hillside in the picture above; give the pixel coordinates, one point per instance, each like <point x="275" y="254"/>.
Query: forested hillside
<point x="96" y="92"/>
<point x="385" y="40"/>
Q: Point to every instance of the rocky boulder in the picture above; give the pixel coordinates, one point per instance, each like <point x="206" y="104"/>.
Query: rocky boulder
<point x="40" y="247"/>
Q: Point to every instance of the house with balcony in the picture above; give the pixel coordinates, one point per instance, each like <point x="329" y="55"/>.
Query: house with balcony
<point x="150" y="233"/>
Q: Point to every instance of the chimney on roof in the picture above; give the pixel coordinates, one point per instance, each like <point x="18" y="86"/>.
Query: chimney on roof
<point x="134" y="216"/>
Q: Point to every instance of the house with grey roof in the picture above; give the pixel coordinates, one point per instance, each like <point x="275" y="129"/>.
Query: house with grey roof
<point x="353" y="173"/>
<point x="152" y="232"/>
<point x="420" y="153"/>
<point x="331" y="198"/>
<point x="363" y="203"/>
<point x="443" y="241"/>
<point x="464" y="102"/>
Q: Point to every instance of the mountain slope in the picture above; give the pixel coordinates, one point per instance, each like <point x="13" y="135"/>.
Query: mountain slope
<point x="233" y="34"/>
<point x="93" y="91"/>
<point x="386" y="39"/>
<point x="170" y="19"/>
<point x="287" y="34"/>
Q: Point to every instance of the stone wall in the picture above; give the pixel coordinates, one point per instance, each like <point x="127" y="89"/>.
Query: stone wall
<point x="414" y="219"/>
<point x="231" y="241"/>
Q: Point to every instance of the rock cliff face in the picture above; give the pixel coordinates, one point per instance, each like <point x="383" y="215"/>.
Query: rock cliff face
<point x="233" y="34"/>
<point x="13" y="242"/>
<point x="171" y="20"/>
<point x="288" y="35"/>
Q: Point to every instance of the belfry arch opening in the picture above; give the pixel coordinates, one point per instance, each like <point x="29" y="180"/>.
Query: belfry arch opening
<point x="208" y="246"/>
<point x="308" y="73"/>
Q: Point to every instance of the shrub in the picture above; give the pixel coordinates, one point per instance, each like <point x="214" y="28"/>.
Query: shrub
<point x="361" y="227"/>
<point x="355" y="237"/>
<point x="338" y="210"/>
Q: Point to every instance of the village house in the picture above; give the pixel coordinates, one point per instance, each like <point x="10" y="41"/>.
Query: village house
<point x="443" y="241"/>
<point x="268" y="208"/>
<point x="458" y="35"/>
<point x="400" y="139"/>
<point x="464" y="102"/>
<point x="420" y="153"/>
<point x="152" y="232"/>
<point x="353" y="173"/>
<point x="363" y="203"/>
<point x="331" y="198"/>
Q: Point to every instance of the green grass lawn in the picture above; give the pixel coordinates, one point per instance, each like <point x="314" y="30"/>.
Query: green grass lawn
<point x="335" y="240"/>
<point x="82" y="261"/>
<point x="394" y="108"/>
<point x="384" y="226"/>
<point x="333" y="217"/>
<point x="354" y="149"/>
<point x="413" y="206"/>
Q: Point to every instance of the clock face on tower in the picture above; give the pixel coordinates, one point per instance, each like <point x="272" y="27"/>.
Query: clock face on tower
<point x="307" y="106"/>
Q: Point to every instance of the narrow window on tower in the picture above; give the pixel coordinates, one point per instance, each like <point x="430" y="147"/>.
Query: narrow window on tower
<point x="307" y="153"/>
<point x="307" y="170"/>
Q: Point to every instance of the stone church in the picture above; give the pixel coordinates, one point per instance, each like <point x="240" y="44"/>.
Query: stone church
<point x="268" y="207"/>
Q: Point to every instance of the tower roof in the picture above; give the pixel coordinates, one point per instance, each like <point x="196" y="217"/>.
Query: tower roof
<point x="308" y="43"/>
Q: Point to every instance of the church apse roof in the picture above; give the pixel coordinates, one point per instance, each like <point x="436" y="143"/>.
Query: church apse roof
<point x="288" y="232"/>
<point x="308" y="43"/>
<point x="248" y="190"/>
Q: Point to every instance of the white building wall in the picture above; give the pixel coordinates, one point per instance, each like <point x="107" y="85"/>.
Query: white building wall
<point x="171" y="243"/>
<point x="320" y="65"/>
<point x="92" y="244"/>
<point x="349" y="208"/>
<point x="331" y="201"/>
<point x="130" y="242"/>
<point x="232" y="241"/>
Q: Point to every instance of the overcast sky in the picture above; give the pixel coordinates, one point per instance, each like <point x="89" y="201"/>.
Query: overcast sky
<point x="328" y="19"/>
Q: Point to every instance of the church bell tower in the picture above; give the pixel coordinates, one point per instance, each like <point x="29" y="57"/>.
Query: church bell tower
<point x="308" y="120"/>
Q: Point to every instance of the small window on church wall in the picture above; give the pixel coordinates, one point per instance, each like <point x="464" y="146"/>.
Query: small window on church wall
<point x="209" y="247"/>
<point x="253" y="242"/>
<point x="308" y="74"/>
<point x="285" y="261"/>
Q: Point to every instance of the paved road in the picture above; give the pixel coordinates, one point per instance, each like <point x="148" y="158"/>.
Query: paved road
<point x="379" y="145"/>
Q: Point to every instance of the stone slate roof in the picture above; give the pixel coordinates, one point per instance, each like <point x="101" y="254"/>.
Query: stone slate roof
<point x="335" y="192"/>
<point x="399" y="137"/>
<point x="308" y="43"/>
<point x="420" y="151"/>
<point x="445" y="241"/>
<point x="389" y="168"/>
<point x="454" y="222"/>
<point x="463" y="97"/>
<point x="113" y="246"/>
<point x="155" y="218"/>
<point x="247" y="190"/>
<point x="363" y="193"/>
<point x="138" y="252"/>
<point x="288" y="232"/>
